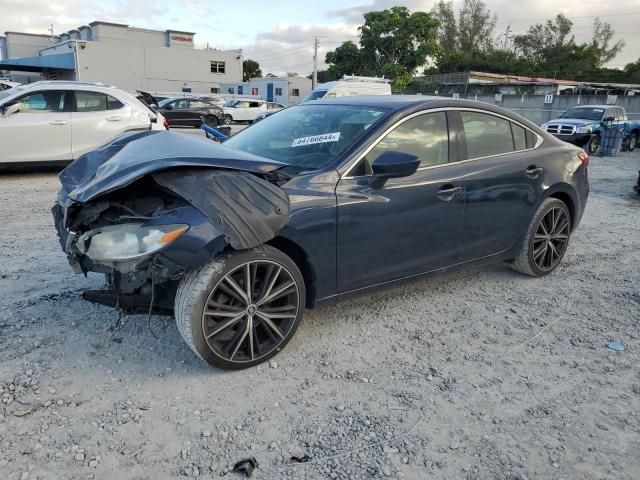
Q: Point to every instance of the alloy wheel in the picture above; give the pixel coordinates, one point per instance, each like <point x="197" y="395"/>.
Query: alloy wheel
<point x="250" y="311"/>
<point x="551" y="239"/>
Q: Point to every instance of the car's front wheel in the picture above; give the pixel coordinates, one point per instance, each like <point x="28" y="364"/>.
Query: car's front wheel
<point x="242" y="308"/>
<point x="547" y="239"/>
<point x="228" y="119"/>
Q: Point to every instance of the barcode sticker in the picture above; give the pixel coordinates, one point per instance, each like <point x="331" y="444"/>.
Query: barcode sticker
<point x="324" y="138"/>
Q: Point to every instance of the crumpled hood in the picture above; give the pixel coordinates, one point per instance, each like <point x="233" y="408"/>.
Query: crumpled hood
<point x="136" y="154"/>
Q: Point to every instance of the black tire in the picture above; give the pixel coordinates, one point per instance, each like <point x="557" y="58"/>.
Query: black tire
<point x="212" y="121"/>
<point x="529" y="259"/>
<point x="633" y="141"/>
<point x="592" y="146"/>
<point x="227" y="120"/>
<point x="207" y="285"/>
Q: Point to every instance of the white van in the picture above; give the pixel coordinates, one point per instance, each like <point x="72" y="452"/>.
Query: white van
<point x="351" y="87"/>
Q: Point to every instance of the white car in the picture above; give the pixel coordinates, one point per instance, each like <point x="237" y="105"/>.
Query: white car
<point x="243" y="110"/>
<point x="55" y="122"/>
<point x="6" y="84"/>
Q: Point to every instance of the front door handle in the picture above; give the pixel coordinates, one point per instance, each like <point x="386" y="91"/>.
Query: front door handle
<point x="533" y="171"/>
<point x="58" y="122"/>
<point x="448" y="193"/>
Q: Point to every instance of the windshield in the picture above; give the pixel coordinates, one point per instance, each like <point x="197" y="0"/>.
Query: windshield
<point x="5" y="93"/>
<point x="315" y="95"/>
<point x="164" y="102"/>
<point x="585" y="113"/>
<point x="307" y="136"/>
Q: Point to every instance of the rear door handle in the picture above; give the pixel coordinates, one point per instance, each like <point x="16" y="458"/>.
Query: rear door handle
<point x="58" y="122"/>
<point x="447" y="193"/>
<point x="114" y="119"/>
<point x="533" y="171"/>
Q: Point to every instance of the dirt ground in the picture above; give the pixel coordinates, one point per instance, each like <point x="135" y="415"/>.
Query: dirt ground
<point x="481" y="374"/>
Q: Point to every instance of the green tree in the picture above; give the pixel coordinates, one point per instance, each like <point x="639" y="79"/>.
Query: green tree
<point x="475" y="26"/>
<point x="393" y="43"/>
<point x="344" y="60"/>
<point x="465" y="40"/>
<point x="546" y="42"/>
<point x="250" y="69"/>
<point x="601" y="42"/>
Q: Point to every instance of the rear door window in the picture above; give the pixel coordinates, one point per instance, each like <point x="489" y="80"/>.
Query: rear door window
<point x="519" y="137"/>
<point x="486" y="134"/>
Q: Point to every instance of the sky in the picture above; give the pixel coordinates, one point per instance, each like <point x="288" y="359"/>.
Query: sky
<point x="280" y="34"/>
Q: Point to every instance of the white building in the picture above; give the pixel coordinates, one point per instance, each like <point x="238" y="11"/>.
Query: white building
<point x="115" y="54"/>
<point x="285" y="90"/>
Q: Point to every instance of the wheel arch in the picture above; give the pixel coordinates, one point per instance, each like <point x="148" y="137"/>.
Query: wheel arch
<point x="296" y="253"/>
<point x="567" y="195"/>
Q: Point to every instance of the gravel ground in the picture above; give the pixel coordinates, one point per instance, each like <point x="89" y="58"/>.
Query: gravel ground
<point x="481" y="374"/>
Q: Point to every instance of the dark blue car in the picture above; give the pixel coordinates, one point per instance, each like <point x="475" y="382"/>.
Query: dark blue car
<point x="323" y="200"/>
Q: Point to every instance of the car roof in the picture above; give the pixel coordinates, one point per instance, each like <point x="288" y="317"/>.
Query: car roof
<point x="595" y="106"/>
<point x="402" y="103"/>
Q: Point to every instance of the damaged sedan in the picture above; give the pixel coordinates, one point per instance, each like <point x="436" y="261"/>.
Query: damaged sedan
<point x="323" y="200"/>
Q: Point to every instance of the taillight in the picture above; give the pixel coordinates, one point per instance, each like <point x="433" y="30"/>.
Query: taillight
<point x="166" y="125"/>
<point x="584" y="158"/>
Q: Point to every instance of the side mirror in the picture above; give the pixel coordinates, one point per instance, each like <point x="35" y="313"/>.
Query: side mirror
<point x="169" y="107"/>
<point x="393" y="164"/>
<point x="10" y="108"/>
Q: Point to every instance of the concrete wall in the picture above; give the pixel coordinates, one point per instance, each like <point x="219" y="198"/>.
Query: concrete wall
<point x="534" y="109"/>
<point x="138" y="67"/>
<point x="25" y="44"/>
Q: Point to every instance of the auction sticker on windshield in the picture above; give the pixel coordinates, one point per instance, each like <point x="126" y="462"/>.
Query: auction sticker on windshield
<point x="324" y="138"/>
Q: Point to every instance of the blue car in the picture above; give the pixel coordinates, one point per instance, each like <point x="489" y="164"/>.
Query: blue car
<point x="327" y="199"/>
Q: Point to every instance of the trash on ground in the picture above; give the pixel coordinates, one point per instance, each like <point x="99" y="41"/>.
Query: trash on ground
<point x="617" y="346"/>
<point x="246" y="466"/>
<point x="300" y="458"/>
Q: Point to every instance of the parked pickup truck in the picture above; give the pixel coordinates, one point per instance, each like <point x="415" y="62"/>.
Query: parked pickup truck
<point x="585" y="126"/>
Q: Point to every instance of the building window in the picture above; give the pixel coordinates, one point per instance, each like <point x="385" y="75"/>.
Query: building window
<point x="254" y="91"/>
<point x="295" y="92"/>
<point x="279" y="91"/>
<point x="215" y="90"/>
<point x="217" y="67"/>
<point x="230" y="90"/>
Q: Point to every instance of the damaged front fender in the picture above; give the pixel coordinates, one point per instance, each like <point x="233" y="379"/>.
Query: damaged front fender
<point x="249" y="210"/>
<point x="224" y="208"/>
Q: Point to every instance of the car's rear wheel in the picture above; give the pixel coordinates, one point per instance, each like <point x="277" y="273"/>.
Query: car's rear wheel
<point x="633" y="142"/>
<point x="228" y="119"/>
<point x="212" y="121"/>
<point x="592" y="145"/>
<point x="547" y="239"/>
<point x="242" y="308"/>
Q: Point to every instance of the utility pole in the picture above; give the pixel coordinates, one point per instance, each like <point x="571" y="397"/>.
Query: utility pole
<point x="314" y="82"/>
<point x="505" y="44"/>
<point x="51" y="32"/>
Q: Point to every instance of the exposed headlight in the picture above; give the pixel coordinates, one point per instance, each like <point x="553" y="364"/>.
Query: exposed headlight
<point x="583" y="130"/>
<point x="128" y="241"/>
